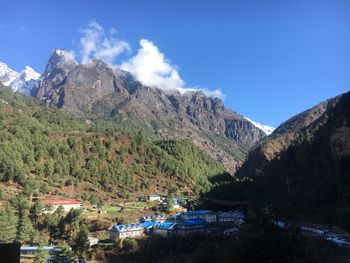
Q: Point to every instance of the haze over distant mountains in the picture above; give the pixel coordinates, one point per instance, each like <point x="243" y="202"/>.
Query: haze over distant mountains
<point x="96" y="90"/>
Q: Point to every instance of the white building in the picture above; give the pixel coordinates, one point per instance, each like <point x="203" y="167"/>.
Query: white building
<point x="67" y="204"/>
<point x="205" y="215"/>
<point x="236" y="217"/>
<point x="159" y="218"/>
<point x="153" y="198"/>
<point x="127" y="230"/>
<point x="93" y="241"/>
<point x="231" y="231"/>
<point x="28" y="250"/>
<point x="145" y="219"/>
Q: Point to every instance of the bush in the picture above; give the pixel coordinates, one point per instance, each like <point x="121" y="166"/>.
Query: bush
<point x="130" y="245"/>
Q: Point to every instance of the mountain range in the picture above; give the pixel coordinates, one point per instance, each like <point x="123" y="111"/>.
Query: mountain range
<point x="96" y="90"/>
<point x="301" y="168"/>
<point x="22" y="82"/>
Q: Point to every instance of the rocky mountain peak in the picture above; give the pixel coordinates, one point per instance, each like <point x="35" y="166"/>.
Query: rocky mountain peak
<point x="60" y="59"/>
<point x="29" y="74"/>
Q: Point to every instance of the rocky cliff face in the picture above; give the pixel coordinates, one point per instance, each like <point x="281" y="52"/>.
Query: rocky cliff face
<point x="95" y="90"/>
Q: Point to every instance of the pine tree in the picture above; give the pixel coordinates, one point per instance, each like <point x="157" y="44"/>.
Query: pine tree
<point x="8" y="225"/>
<point x="81" y="241"/>
<point x="41" y="256"/>
<point x="25" y="230"/>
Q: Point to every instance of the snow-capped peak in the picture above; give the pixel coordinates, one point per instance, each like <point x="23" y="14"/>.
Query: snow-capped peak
<point x="265" y="128"/>
<point x="58" y="52"/>
<point x="21" y="82"/>
<point x="29" y="73"/>
<point x="7" y="75"/>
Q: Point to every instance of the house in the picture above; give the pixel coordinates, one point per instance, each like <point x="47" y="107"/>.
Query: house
<point x="205" y="215"/>
<point x="67" y="205"/>
<point x="176" y="204"/>
<point x="182" y="201"/>
<point x="126" y="230"/>
<point x="93" y="241"/>
<point x="189" y="227"/>
<point x="28" y="250"/>
<point x="153" y="198"/>
<point x="148" y="227"/>
<point x="145" y="219"/>
<point x="159" y="218"/>
<point x="236" y="217"/>
<point x="164" y="229"/>
<point x="231" y="231"/>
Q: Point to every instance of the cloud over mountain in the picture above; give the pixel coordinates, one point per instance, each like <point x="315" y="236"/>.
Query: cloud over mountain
<point x="96" y="43"/>
<point x="149" y="65"/>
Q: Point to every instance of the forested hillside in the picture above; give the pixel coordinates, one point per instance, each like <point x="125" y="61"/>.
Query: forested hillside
<point x="309" y="179"/>
<point x="44" y="151"/>
<point x="98" y="91"/>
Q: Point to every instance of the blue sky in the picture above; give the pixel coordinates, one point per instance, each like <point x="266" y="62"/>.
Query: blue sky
<point x="271" y="59"/>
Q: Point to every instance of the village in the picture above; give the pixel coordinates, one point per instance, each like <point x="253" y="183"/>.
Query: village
<point x="176" y="221"/>
<point x="182" y="224"/>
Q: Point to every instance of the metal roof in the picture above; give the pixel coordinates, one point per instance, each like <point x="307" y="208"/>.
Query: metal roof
<point x="126" y="227"/>
<point x="192" y="222"/>
<point x="165" y="225"/>
<point x="62" y="202"/>
<point x="148" y="224"/>
<point x="198" y="212"/>
<point x="36" y="248"/>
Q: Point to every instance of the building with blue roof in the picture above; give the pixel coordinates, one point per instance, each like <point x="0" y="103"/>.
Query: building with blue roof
<point x="148" y="226"/>
<point x="205" y="215"/>
<point x="189" y="227"/>
<point x="126" y="230"/>
<point x="145" y="218"/>
<point x="164" y="229"/>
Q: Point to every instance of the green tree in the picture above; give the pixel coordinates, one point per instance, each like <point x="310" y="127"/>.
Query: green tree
<point x="8" y="225"/>
<point x="81" y="242"/>
<point x="25" y="230"/>
<point x="36" y="210"/>
<point x="130" y="244"/>
<point x="40" y="256"/>
<point x="63" y="253"/>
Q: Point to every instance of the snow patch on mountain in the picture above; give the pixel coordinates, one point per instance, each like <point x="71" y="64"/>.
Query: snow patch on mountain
<point x="22" y="82"/>
<point x="7" y="75"/>
<point x="265" y="128"/>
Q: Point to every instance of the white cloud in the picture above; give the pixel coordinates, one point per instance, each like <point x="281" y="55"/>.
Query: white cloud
<point x="151" y="68"/>
<point x="96" y="43"/>
<point x="216" y="93"/>
<point x="69" y="56"/>
<point x="148" y="66"/>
